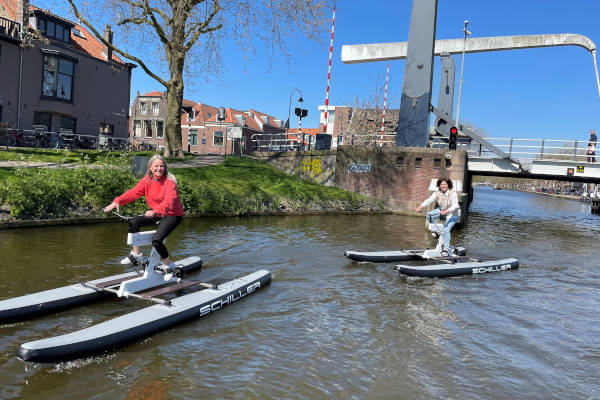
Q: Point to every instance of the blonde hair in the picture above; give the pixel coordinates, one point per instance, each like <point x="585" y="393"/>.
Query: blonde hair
<point x="161" y="158"/>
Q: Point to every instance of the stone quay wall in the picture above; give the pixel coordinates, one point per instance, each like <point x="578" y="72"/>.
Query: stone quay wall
<point x="400" y="175"/>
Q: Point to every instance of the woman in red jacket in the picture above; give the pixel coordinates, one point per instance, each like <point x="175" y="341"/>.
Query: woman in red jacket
<point x="160" y="189"/>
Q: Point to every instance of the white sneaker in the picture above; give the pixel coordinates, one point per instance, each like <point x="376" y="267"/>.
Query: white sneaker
<point x="169" y="270"/>
<point x="133" y="259"/>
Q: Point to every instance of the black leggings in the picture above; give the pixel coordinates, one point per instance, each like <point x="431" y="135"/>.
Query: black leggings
<point x="165" y="227"/>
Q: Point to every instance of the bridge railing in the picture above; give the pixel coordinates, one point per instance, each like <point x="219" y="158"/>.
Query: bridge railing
<point x="274" y="142"/>
<point x="533" y="149"/>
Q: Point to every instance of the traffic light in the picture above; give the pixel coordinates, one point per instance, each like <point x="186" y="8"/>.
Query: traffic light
<point x="453" y="138"/>
<point x="301" y="112"/>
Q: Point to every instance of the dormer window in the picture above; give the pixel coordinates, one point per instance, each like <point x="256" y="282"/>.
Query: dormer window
<point x="54" y="29"/>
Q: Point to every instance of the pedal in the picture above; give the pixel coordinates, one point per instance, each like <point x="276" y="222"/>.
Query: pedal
<point x="168" y="272"/>
<point x="163" y="269"/>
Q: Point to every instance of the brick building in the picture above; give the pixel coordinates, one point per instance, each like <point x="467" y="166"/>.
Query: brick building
<point x="206" y="129"/>
<point x="347" y="124"/>
<point x="57" y="75"/>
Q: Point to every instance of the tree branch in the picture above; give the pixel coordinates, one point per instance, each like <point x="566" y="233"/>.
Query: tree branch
<point x="159" y="30"/>
<point x="116" y="49"/>
<point x="201" y="28"/>
<point x="136" y="21"/>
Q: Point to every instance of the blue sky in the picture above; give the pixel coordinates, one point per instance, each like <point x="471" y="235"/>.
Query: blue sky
<point x="537" y="93"/>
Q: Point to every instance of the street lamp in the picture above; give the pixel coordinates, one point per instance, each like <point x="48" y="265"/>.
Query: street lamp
<point x="300" y="100"/>
<point x="462" y="65"/>
<point x="221" y="117"/>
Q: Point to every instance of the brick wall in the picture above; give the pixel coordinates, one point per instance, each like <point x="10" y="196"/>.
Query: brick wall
<point x="317" y="166"/>
<point x="400" y="175"/>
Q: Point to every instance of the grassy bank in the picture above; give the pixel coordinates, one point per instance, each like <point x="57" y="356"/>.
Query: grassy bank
<point x="237" y="186"/>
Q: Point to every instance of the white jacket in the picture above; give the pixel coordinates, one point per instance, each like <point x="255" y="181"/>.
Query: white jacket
<point x="446" y="201"/>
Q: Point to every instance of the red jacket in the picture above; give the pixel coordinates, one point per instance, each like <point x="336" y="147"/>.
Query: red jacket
<point x="161" y="196"/>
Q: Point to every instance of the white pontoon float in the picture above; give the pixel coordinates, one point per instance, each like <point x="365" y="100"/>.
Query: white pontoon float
<point x="151" y="284"/>
<point x="436" y="262"/>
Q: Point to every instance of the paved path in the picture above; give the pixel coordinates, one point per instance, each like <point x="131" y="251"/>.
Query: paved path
<point x="199" y="161"/>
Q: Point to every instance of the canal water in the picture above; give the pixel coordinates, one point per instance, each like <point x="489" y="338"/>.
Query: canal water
<point x="328" y="328"/>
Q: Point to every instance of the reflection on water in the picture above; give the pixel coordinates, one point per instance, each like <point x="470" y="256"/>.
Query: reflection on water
<point x="327" y="327"/>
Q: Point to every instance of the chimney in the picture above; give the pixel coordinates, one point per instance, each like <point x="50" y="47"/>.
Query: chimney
<point x="108" y="36"/>
<point x="23" y="14"/>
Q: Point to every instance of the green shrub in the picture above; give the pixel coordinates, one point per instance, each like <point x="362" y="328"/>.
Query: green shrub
<point x="237" y="186"/>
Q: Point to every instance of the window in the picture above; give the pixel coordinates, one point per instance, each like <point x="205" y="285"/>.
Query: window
<point x="437" y="163"/>
<point x="159" y="129"/>
<point x="68" y="123"/>
<point x="418" y="162"/>
<point x="154" y="108"/>
<point x="42" y="118"/>
<point x="193" y="137"/>
<point x="399" y="162"/>
<point x="57" y="82"/>
<point x="54" y="29"/>
<point x="106" y="129"/>
<point x="218" y="138"/>
<point x="78" y="33"/>
<point x="143" y="109"/>
<point x="148" y="130"/>
<point x="137" y="128"/>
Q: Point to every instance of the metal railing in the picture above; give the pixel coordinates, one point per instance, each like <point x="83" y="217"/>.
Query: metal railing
<point x="535" y="149"/>
<point x="9" y="28"/>
<point x="523" y="150"/>
<point x="275" y="142"/>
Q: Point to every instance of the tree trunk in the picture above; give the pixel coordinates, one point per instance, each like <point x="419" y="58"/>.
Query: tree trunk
<point x="173" y="123"/>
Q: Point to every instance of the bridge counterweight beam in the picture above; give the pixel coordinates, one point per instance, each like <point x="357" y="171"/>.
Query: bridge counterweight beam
<point x="416" y="89"/>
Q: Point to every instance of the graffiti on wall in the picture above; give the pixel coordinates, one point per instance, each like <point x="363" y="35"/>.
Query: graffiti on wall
<point x="363" y="168"/>
<point x="313" y="168"/>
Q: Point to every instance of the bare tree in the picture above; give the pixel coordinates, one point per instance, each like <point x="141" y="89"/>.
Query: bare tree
<point x="367" y="112"/>
<point x="179" y="32"/>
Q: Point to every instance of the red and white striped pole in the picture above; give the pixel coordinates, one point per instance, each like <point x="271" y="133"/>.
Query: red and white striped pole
<point x="329" y="71"/>
<point x="387" y="74"/>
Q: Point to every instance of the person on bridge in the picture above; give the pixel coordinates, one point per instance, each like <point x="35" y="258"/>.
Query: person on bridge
<point x="592" y="143"/>
<point x="160" y="189"/>
<point x="591" y="152"/>
<point x="447" y="203"/>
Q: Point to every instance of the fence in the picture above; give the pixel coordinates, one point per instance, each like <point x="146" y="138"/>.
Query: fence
<point x="40" y="138"/>
<point x="523" y="149"/>
<point x="9" y="28"/>
<point x="534" y="149"/>
<point x="275" y="142"/>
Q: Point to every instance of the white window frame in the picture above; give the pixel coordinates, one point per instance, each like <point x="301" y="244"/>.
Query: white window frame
<point x="221" y="135"/>
<point x="160" y="133"/>
<point x="137" y="128"/>
<point x="148" y="124"/>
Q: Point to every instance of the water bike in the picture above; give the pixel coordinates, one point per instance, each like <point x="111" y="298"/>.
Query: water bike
<point x="436" y="228"/>
<point x="438" y="262"/>
<point x="152" y="283"/>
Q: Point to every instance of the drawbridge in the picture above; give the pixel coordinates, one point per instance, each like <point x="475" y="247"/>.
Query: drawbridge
<point x="487" y="156"/>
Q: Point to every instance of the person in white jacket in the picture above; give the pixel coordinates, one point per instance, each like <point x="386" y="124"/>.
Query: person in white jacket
<point x="447" y="203"/>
